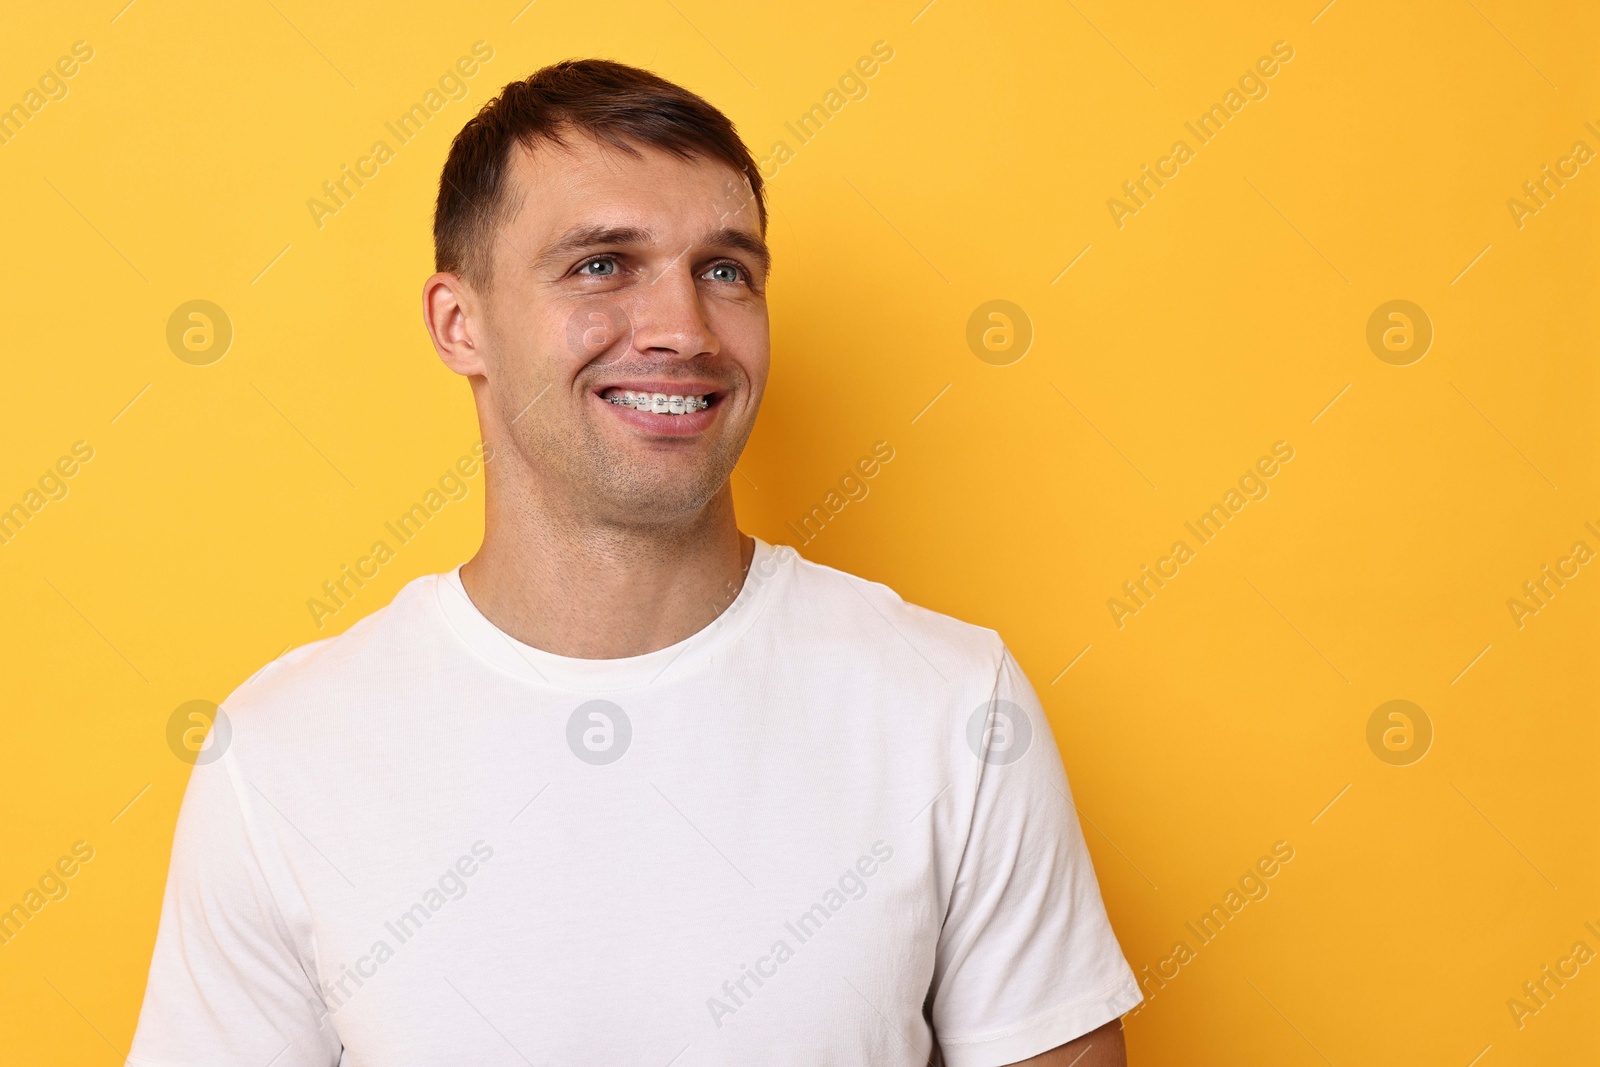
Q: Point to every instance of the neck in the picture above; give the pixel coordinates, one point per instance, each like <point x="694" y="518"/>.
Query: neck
<point x="592" y="589"/>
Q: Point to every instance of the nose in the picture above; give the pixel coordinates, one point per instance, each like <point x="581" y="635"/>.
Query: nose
<point x="669" y="319"/>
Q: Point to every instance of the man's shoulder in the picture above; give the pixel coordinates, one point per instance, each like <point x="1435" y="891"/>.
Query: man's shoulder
<point x="872" y="617"/>
<point x="312" y="675"/>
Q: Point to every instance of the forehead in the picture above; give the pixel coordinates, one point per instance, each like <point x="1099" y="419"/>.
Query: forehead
<point x="555" y="187"/>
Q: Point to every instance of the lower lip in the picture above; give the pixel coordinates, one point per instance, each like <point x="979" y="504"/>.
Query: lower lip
<point x="691" y="424"/>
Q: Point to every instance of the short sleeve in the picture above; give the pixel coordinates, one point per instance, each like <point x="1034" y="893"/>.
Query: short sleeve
<point x="1026" y="960"/>
<point x="226" y="984"/>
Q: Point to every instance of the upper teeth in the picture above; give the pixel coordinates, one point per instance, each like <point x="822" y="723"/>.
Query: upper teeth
<point x="660" y="403"/>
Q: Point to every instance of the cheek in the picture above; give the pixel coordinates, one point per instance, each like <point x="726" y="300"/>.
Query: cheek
<point x="743" y="337"/>
<point x="526" y="368"/>
<point x="529" y="339"/>
<point x="594" y="330"/>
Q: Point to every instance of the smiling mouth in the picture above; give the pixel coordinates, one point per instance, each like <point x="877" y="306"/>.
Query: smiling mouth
<point x="658" y="403"/>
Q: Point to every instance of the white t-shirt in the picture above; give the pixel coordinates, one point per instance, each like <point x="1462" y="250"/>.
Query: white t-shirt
<point x="830" y="828"/>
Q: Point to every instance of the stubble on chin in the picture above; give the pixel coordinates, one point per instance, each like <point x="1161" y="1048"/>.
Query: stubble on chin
<point x="624" y="483"/>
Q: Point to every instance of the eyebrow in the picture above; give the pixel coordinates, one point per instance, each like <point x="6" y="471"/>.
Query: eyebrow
<point x="586" y="237"/>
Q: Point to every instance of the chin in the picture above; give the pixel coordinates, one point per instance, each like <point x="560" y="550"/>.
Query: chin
<point x="649" y="494"/>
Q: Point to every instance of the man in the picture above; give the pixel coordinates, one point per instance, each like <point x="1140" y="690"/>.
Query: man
<point x="628" y="786"/>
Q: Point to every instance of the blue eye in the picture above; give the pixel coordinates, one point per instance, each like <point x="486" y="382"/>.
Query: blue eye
<point x="599" y="268"/>
<point x="725" y="272"/>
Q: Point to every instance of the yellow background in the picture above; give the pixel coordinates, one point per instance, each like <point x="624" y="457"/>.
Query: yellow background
<point x="1223" y="317"/>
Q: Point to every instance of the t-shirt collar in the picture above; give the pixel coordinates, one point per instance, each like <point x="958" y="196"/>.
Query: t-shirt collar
<point x="768" y="566"/>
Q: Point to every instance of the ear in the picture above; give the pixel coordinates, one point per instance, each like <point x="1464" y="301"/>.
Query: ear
<point x="450" y="311"/>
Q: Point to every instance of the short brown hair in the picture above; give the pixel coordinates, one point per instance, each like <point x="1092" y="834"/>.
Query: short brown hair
<point x="614" y="103"/>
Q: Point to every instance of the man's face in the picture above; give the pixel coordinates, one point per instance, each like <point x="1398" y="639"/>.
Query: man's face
<point x="620" y="280"/>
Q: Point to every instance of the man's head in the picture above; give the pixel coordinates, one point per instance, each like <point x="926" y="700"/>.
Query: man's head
<point x="599" y="234"/>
